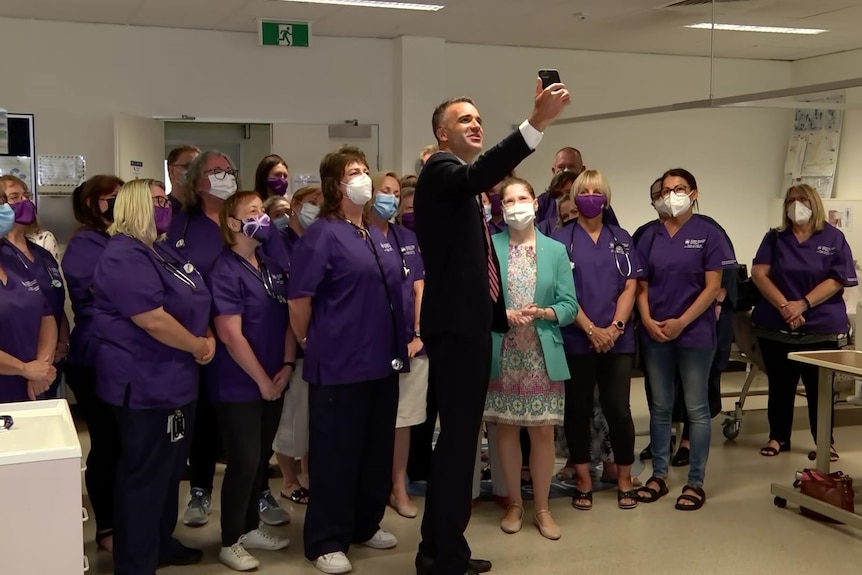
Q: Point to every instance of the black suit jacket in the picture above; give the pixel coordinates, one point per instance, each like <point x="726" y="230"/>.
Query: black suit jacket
<point x="451" y="232"/>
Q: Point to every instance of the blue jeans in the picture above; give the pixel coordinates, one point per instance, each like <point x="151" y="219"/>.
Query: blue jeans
<point x="662" y="360"/>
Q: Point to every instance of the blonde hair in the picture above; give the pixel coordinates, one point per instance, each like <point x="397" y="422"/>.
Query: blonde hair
<point x="427" y="150"/>
<point x="133" y="211"/>
<point x="304" y="192"/>
<point x="591" y="180"/>
<point x="818" y="212"/>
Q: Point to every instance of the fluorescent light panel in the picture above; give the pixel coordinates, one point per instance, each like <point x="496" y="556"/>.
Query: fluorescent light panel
<point x="745" y="28"/>
<point x="375" y="4"/>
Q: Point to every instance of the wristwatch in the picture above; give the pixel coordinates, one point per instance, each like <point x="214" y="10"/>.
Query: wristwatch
<point x="620" y="325"/>
<point x="417" y="334"/>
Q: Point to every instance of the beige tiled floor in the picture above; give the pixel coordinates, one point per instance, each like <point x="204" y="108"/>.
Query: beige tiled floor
<point x="738" y="531"/>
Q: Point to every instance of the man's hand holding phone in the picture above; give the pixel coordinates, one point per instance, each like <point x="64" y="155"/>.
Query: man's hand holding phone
<point x="550" y="101"/>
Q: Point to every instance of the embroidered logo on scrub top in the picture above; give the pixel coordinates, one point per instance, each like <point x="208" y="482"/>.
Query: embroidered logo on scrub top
<point x="826" y="250"/>
<point x="408" y="250"/>
<point x="32" y="285"/>
<point x="277" y="278"/>
<point x="387" y="247"/>
<point x="620" y="248"/>
<point x="694" y="244"/>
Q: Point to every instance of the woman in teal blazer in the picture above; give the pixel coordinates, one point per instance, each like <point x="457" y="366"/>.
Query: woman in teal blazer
<point x="529" y="369"/>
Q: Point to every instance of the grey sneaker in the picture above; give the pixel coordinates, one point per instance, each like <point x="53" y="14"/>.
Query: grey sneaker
<point x="269" y="510"/>
<point x="199" y="508"/>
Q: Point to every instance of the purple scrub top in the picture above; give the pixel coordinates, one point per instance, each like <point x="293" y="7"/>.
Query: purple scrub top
<point x="132" y="367"/>
<point x="197" y="237"/>
<point x="46" y="270"/>
<point x="238" y="289"/>
<point x="350" y="338"/>
<point x="547" y="209"/>
<point x="79" y="267"/>
<point x="22" y="307"/>
<point x="598" y="281"/>
<point x="797" y="268"/>
<point x="404" y="242"/>
<point x="497" y="228"/>
<point x="675" y="273"/>
<point x="289" y="238"/>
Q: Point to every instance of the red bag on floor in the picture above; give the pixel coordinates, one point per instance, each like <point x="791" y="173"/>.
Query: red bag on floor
<point x="835" y="489"/>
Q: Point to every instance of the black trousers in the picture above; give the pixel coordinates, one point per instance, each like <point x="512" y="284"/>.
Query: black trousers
<point x="351" y="439"/>
<point x="611" y="373"/>
<point x="146" y="495"/>
<point x="421" y="438"/>
<point x="459" y="371"/>
<point x="248" y="430"/>
<point x="783" y="376"/>
<point x="104" y="444"/>
<point x="205" y="442"/>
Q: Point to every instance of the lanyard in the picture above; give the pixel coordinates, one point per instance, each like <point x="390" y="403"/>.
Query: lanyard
<point x="263" y="275"/>
<point x="181" y="274"/>
<point x="616" y="247"/>
<point x="55" y="280"/>
<point x="397" y="246"/>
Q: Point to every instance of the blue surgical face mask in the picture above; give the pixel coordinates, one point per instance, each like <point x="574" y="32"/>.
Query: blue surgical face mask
<point x="487" y="213"/>
<point x="385" y="205"/>
<point x="308" y="214"/>
<point x="7" y="219"/>
<point x="281" y="222"/>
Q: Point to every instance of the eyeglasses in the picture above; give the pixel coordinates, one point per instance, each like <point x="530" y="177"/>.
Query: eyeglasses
<point x="220" y="174"/>
<point x="679" y="190"/>
<point x="161" y="201"/>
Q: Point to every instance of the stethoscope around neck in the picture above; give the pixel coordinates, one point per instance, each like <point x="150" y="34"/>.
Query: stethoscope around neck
<point x="55" y="281"/>
<point x="617" y="247"/>
<point x="397" y="363"/>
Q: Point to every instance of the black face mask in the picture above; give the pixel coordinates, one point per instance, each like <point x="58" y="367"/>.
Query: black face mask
<point x="108" y="214"/>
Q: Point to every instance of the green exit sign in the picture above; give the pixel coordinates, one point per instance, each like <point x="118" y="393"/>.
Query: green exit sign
<point x="285" y="33"/>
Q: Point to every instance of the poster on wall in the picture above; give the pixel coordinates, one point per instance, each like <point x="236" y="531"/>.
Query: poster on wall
<point x="18" y="166"/>
<point x="4" y="132"/>
<point x="61" y="170"/>
<point x="812" y="152"/>
<point x="840" y="216"/>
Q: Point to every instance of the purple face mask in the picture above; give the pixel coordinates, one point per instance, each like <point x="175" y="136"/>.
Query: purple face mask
<point x="590" y="205"/>
<point x="277" y="185"/>
<point x="25" y="212"/>
<point x="496" y="204"/>
<point x="162" y="216"/>
<point x="408" y="220"/>
<point x="256" y="227"/>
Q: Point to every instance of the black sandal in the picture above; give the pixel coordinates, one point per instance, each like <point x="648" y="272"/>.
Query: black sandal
<point x="647" y="494"/>
<point x="696" y="503"/>
<point x="769" y="451"/>
<point x="682" y="457"/>
<point x="833" y="455"/>
<point x="582" y="495"/>
<point x="630" y="494"/>
<point x="298" y="496"/>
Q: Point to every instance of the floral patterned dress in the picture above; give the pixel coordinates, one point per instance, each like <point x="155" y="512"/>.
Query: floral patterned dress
<point x="523" y="395"/>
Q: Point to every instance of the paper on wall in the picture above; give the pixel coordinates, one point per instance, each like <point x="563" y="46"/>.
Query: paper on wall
<point x="17" y="166"/>
<point x="840" y="216"/>
<point x="61" y="170"/>
<point x="4" y="132"/>
<point x="821" y="154"/>
<point x="795" y="155"/>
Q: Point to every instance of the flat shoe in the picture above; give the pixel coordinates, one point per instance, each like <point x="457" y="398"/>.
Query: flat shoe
<point x="511" y="526"/>
<point x="551" y="532"/>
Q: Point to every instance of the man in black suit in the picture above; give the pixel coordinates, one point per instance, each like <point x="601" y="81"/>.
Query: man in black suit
<point x="463" y="302"/>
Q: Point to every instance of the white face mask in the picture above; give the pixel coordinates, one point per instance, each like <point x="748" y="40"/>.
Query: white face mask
<point x="359" y="189"/>
<point x="799" y="213"/>
<point x="519" y="216"/>
<point x="224" y="188"/>
<point x="661" y="207"/>
<point x="678" y="203"/>
<point x="307" y="214"/>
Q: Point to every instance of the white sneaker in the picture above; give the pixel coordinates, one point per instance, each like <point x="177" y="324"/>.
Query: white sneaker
<point x="237" y="558"/>
<point x="334" y="563"/>
<point x="260" y="538"/>
<point x="382" y="540"/>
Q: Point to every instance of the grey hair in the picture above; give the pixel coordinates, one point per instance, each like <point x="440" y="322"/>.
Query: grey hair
<point x="195" y="174"/>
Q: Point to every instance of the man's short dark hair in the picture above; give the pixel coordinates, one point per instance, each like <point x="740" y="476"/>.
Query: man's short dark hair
<point x="437" y="117"/>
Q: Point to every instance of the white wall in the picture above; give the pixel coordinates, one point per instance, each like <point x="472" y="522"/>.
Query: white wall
<point x="736" y="155"/>
<point x="76" y="76"/>
<point x="843" y="66"/>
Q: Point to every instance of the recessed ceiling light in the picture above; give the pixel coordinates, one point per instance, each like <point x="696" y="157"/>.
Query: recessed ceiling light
<point x="375" y="4"/>
<point x="767" y="29"/>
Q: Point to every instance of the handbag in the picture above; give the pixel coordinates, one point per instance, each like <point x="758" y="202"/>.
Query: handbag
<point x="835" y="489"/>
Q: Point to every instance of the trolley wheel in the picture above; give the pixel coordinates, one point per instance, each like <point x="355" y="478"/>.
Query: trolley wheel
<point x="731" y="429"/>
<point x="780" y="502"/>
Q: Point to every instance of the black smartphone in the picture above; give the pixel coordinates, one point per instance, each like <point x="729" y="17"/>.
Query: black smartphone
<point x="549" y="77"/>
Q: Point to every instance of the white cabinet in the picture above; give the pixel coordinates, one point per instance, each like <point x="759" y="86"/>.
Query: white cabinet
<point x="41" y="528"/>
